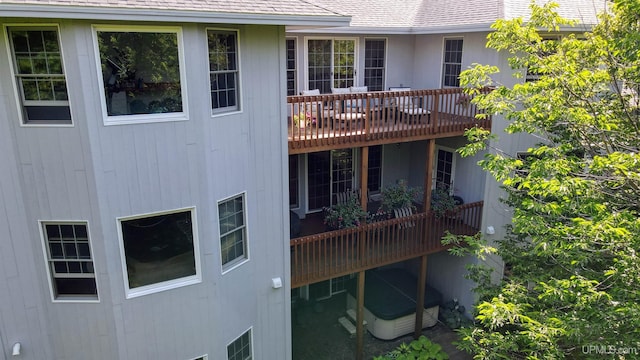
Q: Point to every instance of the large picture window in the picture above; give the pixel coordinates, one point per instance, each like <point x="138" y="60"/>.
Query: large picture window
<point x="233" y="231"/>
<point x="224" y="72"/>
<point x="141" y="74"/>
<point x="160" y="251"/>
<point x="40" y="78"/>
<point x="452" y="64"/>
<point x="69" y="260"/>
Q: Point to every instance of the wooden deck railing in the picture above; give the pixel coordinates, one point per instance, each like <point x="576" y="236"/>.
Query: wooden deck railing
<point x="326" y="255"/>
<point x="334" y="120"/>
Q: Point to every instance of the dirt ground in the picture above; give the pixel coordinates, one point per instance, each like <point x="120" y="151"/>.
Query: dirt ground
<point x="317" y="335"/>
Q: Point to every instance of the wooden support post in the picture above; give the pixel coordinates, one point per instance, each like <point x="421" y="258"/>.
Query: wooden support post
<point x="360" y="318"/>
<point x="364" y="177"/>
<point x="428" y="179"/>
<point x="422" y="283"/>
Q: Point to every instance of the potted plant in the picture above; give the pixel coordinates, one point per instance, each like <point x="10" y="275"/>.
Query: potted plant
<point x="399" y="196"/>
<point x="441" y="201"/>
<point x="346" y="215"/>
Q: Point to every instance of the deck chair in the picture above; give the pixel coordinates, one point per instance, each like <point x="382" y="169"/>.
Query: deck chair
<point x="404" y="212"/>
<point x="347" y="112"/>
<point x="345" y="196"/>
<point x="408" y="105"/>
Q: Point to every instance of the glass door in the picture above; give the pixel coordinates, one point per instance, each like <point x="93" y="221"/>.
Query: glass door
<point x="341" y="170"/>
<point x="331" y="63"/>
<point x="328" y="172"/>
<point x="318" y="180"/>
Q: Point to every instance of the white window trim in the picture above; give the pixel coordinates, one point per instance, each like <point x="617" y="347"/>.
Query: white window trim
<point x="453" y="167"/>
<point x="239" y="65"/>
<point x="203" y="357"/>
<point x="386" y="58"/>
<point x="444" y="43"/>
<point x="164" y="285"/>
<point x="16" y="88"/>
<point x="356" y="57"/>
<point x="142" y="118"/>
<point x="68" y="299"/>
<point x="250" y="330"/>
<point x="235" y="263"/>
<point x="296" y="70"/>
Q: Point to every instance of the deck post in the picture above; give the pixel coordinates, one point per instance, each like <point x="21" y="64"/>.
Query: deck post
<point x="422" y="282"/>
<point x="428" y="180"/>
<point x="360" y="318"/>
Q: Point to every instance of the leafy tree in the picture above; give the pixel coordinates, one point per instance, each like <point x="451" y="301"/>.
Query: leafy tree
<point x="573" y="289"/>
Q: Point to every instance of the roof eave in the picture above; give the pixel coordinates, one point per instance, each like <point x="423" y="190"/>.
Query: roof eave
<point x="486" y="27"/>
<point x="168" y="15"/>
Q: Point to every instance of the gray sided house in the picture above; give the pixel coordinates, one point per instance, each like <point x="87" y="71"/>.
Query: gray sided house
<point x="142" y="178"/>
<point x="154" y="153"/>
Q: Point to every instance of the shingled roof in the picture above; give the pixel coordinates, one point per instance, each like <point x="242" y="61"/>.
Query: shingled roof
<point x="242" y="11"/>
<point x="425" y="16"/>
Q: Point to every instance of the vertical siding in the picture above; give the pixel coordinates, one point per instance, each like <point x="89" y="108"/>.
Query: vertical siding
<point x="98" y="173"/>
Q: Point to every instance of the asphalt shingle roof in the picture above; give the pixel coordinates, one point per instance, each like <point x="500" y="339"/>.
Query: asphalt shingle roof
<point x="271" y="7"/>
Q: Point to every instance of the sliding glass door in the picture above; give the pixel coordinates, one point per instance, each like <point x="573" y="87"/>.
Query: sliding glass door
<point x="331" y="63"/>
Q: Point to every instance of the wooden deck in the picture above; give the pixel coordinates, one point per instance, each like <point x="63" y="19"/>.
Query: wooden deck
<point x="324" y="122"/>
<point x="327" y="255"/>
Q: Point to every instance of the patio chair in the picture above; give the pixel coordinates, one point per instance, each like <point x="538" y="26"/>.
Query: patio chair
<point x="347" y="112"/>
<point x="408" y="106"/>
<point x="345" y="196"/>
<point x="404" y="212"/>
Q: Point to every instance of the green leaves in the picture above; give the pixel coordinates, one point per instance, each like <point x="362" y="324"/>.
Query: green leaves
<point x="574" y="242"/>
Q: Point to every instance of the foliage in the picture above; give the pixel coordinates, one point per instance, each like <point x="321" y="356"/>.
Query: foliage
<point x="399" y="195"/>
<point x="420" y="349"/>
<point x="574" y="240"/>
<point x="346" y="215"/>
<point x="303" y="119"/>
<point x="441" y="201"/>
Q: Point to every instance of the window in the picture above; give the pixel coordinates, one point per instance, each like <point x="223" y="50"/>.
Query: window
<point x="69" y="260"/>
<point x="223" y="70"/>
<point x="292" y="69"/>
<point x="452" y="64"/>
<point x="141" y="74"/>
<point x="159" y="251"/>
<point x="293" y="181"/>
<point x="445" y="169"/>
<point x="240" y="348"/>
<point x="547" y="47"/>
<point x="331" y="64"/>
<point x="233" y="231"/>
<point x="374" y="56"/>
<point x="39" y="74"/>
<point x="374" y="174"/>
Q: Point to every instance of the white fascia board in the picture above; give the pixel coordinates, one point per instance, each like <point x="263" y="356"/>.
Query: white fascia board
<point x="397" y="30"/>
<point x="164" y="15"/>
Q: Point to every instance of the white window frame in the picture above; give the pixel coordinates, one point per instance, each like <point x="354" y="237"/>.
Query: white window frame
<point x="201" y="357"/>
<point x="47" y="259"/>
<point x="333" y="39"/>
<point x="16" y="88"/>
<point x="444" y="63"/>
<point x="164" y="285"/>
<point x="229" y="109"/>
<point x="453" y="168"/>
<point x="386" y="57"/>
<point x="141" y="118"/>
<point x="295" y="69"/>
<point x="250" y="331"/>
<point x="239" y="261"/>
